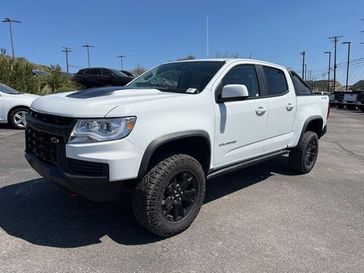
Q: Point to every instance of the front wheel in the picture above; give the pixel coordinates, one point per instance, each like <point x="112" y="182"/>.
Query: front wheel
<point x="303" y="157"/>
<point x="170" y="195"/>
<point x="17" y="117"/>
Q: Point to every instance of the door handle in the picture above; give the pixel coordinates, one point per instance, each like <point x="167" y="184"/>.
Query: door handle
<point x="289" y="106"/>
<point x="260" y="111"/>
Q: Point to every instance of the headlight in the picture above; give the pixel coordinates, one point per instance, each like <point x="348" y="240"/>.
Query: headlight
<point x="98" y="130"/>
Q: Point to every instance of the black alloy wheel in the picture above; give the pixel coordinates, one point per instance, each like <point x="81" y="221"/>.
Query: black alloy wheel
<point x="179" y="196"/>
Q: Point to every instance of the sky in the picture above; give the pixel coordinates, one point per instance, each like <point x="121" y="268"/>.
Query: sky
<point x="152" y="32"/>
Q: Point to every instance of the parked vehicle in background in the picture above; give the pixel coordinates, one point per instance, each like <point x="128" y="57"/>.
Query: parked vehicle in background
<point x="67" y="75"/>
<point x="99" y="76"/>
<point x="40" y="73"/>
<point x="14" y="106"/>
<point x="360" y="100"/>
<point x="338" y="99"/>
<point x="127" y="73"/>
<point x="349" y="100"/>
<point x="332" y="99"/>
<point x="172" y="128"/>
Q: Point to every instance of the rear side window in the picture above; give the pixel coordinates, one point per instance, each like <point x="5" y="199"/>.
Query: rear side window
<point x="94" y="71"/>
<point x="106" y="72"/>
<point x="300" y="87"/>
<point x="276" y="81"/>
<point x="243" y="74"/>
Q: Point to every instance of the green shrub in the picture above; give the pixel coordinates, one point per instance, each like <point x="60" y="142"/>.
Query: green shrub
<point x="18" y="74"/>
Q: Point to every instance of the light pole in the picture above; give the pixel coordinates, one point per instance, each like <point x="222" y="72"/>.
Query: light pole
<point x="335" y="39"/>
<point x="88" y="53"/>
<point x="121" y="60"/>
<point x="305" y="72"/>
<point x="328" y="72"/>
<point x="207" y="37"/>
<point x="10" y="21"/>
<point x="66" y="50"/>
<point x="347" y="64"/>
<point x="303" y="53"/>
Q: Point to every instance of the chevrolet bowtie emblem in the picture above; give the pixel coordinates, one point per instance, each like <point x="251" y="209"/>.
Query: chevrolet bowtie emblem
<point x="55" y="140"/>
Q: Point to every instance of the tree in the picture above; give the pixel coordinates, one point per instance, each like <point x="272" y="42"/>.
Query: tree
<point x="55" y="79"/>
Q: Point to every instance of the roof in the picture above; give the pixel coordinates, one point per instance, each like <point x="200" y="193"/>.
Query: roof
<point x="231" y="60"/>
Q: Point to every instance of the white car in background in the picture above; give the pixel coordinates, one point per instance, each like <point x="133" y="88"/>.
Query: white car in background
<point x="14" y="106"/>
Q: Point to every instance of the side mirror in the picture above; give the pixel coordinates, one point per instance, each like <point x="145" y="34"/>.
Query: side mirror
<point x="234" y="92"/>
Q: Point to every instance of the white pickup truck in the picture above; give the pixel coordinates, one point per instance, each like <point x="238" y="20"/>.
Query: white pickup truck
<point x="172" y="128"/>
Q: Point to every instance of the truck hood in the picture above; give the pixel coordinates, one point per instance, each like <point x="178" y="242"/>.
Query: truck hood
<point x="96" y="102"/>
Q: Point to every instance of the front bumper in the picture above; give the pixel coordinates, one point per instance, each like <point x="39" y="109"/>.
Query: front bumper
<point x="95" y="188"/>
<point x="93" y="170"/>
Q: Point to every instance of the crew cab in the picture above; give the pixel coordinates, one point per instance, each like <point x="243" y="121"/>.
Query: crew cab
<point x="171" y="129"/>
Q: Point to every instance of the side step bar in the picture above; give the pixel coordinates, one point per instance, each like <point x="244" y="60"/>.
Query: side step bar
<point x="244" y="164"/>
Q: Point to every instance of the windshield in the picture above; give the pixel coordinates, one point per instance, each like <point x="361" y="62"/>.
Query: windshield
<point x="190" y="77"/>
<point x="127" y="73"/>
<point x="118" y="73"/>
<point x="7" y="90"/>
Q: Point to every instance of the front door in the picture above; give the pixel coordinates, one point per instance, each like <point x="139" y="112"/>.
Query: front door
<point x="240" y="125"/>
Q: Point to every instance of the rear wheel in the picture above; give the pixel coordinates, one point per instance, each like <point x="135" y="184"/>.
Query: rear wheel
<point x="170" y="195"/>
<point x="17" y="117"/>
<point x="303" y="157"/>
<point x="361" y="108"/>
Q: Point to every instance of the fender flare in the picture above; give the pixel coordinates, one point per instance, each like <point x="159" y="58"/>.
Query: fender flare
<point x="155" y="144"/>
<point x="307" y="122"/>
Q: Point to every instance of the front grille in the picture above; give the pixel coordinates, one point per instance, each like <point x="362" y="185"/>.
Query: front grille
<point x="88" y="168"/>
<point x="43" y="145"/>
<point x="46" y="135"/>
<point x="51" y="119"/>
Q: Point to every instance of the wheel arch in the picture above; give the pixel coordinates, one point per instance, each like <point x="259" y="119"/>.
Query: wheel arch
<point x="314" y="124"/>
<point x="13" y="108"/>
<point x="199" y="147"/>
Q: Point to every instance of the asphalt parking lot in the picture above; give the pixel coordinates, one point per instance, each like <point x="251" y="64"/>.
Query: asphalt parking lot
<point x="261" y="219"/>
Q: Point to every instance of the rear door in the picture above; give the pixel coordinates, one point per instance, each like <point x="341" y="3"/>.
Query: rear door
<point x="94" y="77"/>
<point x="281" y="100"/>
<point x="240" y="125"/>
<point x="107" y="77"/>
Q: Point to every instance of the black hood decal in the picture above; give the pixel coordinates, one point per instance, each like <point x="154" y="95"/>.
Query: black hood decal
<point x="96" y="92"/>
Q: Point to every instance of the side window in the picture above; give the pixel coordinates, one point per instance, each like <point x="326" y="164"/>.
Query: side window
<point x="94" y="71"/>
<point x="300" y="87"/>
<point x="276" y="81"/>
<point x="243" y="74"/>
<point x="106" y="72"/>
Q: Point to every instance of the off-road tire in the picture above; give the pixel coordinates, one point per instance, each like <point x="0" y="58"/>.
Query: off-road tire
<point x="150" y="192"/>
<point x="298" y="156"/>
